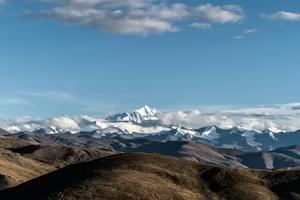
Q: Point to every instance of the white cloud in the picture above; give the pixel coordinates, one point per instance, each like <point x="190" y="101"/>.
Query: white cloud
<point x="138" y="17"/>
<point x="239" y="37"/>
<point x="135" y="21"/>
<point x="14" y="101"/>
<point x="219" y="14"/>
<point x="283" y="15"/>
<point x="233" y="7"/>
<point x="104" y="3"/>
<point x="63" y="123"/>
<point x="245" y="33"/>
<point x="283" y="117"/>
<point x="18" y="102"/>
<point x="253" y="30"/>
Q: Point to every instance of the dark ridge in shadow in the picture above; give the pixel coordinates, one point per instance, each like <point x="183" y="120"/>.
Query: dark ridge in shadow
<point x="3" y="181"/>
<point x="128" y="176"/>
<point x="26" y="149"/>
<point x="42" y="186"/>
<point x="289" y="190"/>
<point x="169" y="148"/>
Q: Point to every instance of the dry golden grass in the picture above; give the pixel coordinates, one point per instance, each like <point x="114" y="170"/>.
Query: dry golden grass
<point x="21" y="161"/>
<point x="135" y="176"/>
<point x="139" y="176"/>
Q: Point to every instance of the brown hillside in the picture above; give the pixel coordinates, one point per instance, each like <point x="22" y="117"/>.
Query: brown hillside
<point x="21" y="161"/>
<point x="150" y="176"/>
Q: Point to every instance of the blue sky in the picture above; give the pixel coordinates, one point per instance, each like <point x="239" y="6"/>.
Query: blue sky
<point x="200" y="53"/>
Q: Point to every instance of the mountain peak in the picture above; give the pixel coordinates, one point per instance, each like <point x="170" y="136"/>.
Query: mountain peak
<point x="143" y="114"/>
<point x="274" y="130"/>
<point x="146" y="111"/>
<point x="138" y="116"/>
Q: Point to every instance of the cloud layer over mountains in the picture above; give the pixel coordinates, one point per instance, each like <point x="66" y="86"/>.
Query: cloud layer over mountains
<point x="279" y="117"/>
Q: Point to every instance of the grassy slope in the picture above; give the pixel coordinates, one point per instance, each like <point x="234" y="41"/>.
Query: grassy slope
<point x="21" y="161"/>
<point x="149" y="176"/>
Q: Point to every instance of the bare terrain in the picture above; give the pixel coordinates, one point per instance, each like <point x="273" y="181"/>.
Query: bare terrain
<point x="21" y="160"/>
<point x="136" y="176"/>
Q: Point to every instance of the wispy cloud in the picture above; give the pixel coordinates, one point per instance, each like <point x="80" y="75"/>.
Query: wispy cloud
<point x="142" y="17"/>
<point x="283" y="15"/>
<point x="64" y="96"/>
<point x="219" y="14"/>
<point x="14" y="101"/>
<point x="19" y="102"/>
<point x="82" y="104"/>
<point x="248" y="31"/>
<point x="245" y="33"/>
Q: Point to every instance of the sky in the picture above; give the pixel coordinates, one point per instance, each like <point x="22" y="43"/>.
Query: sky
<point x="70" y="57"/>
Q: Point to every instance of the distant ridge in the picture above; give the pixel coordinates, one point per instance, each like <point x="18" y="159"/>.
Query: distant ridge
<point x="286" y="157"/>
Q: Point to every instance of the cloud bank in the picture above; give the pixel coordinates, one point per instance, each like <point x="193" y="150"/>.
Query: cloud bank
<point x="284" y="117"/>
<point x="145" y="17"/>
<point x="278" y="117"/>
<point x="138" y="17"/>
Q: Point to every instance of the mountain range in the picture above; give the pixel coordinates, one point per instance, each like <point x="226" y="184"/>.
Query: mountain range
<point x="145" y="123"/>
<point x="135" y="156"/>
<point x="143" y="131"/>
<point x="286" y="157"/>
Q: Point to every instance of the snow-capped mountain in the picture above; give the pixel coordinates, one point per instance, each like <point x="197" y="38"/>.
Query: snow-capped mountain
<point x="146" y="123"/>
<point x="140" y="116"/>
